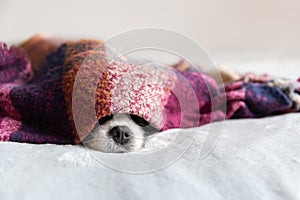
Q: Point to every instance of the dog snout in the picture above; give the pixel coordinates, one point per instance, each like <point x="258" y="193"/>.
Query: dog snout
<point x="120" y="134"/>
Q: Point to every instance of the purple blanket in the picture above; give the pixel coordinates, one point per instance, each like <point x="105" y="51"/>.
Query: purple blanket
<point x="36" y="105"/>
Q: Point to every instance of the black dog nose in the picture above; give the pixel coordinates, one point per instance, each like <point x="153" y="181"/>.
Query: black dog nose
<point x="120" y="134"/>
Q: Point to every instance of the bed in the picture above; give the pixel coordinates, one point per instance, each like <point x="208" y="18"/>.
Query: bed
<point x="252" y="159"/>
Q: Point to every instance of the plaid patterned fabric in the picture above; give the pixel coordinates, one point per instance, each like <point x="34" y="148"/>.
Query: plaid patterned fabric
<point x="36" y="106"/>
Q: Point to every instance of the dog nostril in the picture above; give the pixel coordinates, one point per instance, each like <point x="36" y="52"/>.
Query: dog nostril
<point x="120" y="134"/>
<point x="126" y="135"/>
<point x="117" y="134"/>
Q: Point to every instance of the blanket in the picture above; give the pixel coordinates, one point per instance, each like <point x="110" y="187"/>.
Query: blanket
<point x="38" y="97"/>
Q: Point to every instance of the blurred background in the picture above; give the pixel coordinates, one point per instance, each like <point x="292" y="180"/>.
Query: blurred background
<point x="243" y="29"/>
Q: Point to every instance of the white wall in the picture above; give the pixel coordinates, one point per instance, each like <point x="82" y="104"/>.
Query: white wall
<point x="219" y="25"/>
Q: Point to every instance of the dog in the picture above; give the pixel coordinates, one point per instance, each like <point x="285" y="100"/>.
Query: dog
<point x="119" y="133"/>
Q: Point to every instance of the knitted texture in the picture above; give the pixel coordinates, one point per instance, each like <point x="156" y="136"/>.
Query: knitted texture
<point x="40" y="108"/>
<point x="38" y="46"/>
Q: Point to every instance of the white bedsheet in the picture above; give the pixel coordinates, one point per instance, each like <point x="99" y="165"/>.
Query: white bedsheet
<point x="254" y="159"/>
